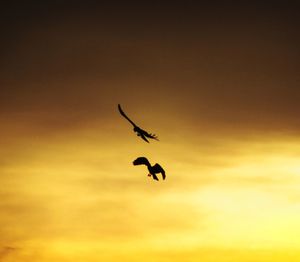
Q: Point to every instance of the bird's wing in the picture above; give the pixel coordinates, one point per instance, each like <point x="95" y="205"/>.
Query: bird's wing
<point x="123" y="114"/>
<point x="141" y="161"/>
<point x="149" y="135"/>
<point x="159" y="169"/>
<point x="144" y="138"/>
<point x="155" y="177"/>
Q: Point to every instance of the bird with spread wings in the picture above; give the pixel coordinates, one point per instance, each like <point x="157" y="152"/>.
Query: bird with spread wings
<point x="140" y="132"/>
<point x="153" y="170"/>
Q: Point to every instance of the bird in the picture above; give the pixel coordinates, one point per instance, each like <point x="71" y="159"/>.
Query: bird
<point x="153" y="170"/>
<point x="139" y="132"/>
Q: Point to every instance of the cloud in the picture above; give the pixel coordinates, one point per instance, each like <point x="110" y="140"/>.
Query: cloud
<point x="6" y="251"/>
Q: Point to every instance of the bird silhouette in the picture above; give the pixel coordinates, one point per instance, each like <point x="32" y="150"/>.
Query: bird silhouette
<point x="153" y="170"/>
<point x="140" y="132"/>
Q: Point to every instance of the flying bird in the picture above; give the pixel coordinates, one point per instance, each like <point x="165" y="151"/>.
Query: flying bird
<point x="153" y="170"/>
<point x="140" y="132"/>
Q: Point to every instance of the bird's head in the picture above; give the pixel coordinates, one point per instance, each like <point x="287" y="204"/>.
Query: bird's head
<point x="135" y="162"/>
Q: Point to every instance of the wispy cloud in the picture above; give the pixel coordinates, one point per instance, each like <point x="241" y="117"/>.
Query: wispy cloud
<point x="6" y="251"/>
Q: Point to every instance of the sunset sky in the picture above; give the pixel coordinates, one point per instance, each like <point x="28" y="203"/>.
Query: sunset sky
<point x="218" y="83"/>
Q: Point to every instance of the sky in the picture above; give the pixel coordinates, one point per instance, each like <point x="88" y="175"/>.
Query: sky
<point x="217" y="82"/>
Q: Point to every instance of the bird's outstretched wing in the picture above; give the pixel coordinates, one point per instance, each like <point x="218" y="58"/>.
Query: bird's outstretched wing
<point x="141" y="161"/>
<point x="124" y="115"/>
<point x="159" y="169"/>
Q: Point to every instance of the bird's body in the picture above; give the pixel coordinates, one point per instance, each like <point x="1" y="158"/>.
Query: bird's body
<point x="153" y="170"/>
<point x="140" y="132"/>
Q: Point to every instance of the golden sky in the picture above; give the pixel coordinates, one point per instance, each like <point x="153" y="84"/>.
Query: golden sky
<point x="218" y="84"/>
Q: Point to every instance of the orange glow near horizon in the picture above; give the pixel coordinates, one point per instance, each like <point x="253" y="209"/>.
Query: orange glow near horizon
<point x="82" y="199"/>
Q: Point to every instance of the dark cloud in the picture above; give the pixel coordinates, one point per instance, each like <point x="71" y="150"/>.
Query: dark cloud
<point x="6" y="251"/>
<point x="216" y="65"/>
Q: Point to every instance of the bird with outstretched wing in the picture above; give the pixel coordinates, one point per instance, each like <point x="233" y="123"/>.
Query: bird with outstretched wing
<point x="153" y="170"/>
<point x="140" y="132"/>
